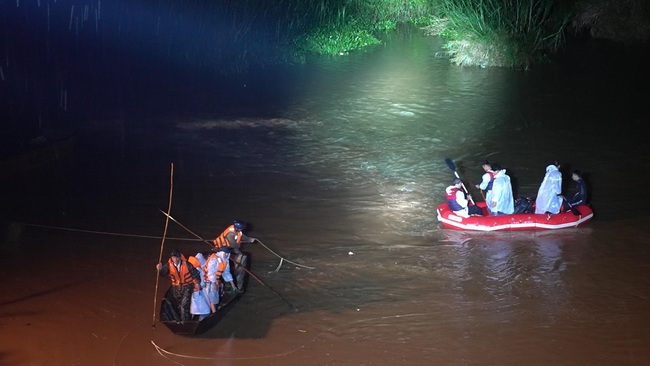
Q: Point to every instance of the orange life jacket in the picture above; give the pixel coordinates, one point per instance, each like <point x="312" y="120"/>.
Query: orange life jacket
<point x="184" y="278"/>
<point x="221" y="240"/>
<point x="221" y="266"/>
<point x="195" y="262"/>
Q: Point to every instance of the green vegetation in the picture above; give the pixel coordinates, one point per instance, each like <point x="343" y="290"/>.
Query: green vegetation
<point x="284" y="31"/>
<point x="510" y="33"/>
<point x="344" y="25"/>
<point x="486" y="33"/>
<point x="337" y="39"/>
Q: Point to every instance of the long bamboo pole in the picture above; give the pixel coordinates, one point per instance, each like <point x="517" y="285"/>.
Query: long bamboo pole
<point x="162" y="243"/>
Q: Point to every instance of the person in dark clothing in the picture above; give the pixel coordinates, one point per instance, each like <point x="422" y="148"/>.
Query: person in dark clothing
<point x="185" y="280"/>
<point x="580" y="195"/>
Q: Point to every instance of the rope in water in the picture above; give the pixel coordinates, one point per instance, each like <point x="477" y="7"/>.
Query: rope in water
<point x="155" y="237"/>
<point x="282" y="258"/>
<point x="104" y="232"/>
<point x="164" y="353"/>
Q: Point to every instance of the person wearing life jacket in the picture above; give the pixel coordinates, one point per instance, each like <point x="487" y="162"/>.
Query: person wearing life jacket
<point x="217" y="268"/>
<point x="549" y="195"/>
<point x="232" y="237"/>
<point x="458" y="202"/>
<point x="223" y="269"/>
<point x="200" y="305"/>
<point x="487" y="178"/>
<point x="500" y="200"/>
<point x="184" y="278"/>
<point x="211" y="285"/>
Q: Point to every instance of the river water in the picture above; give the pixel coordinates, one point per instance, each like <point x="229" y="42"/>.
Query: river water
<point x="338" y="165"/>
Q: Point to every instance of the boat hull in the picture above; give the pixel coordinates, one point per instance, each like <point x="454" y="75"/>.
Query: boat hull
<point x="513" y="222"/>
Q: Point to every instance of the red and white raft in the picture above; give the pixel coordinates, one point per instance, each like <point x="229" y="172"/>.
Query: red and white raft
<point x="520" y="221"/>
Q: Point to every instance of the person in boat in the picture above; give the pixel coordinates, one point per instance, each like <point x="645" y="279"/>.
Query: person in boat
<point x="500" y="200"/>
<point x="487" y="178"/>
<point x="580" y="195"/>
<point x="223" y="269"/>
<point x="549" y="198"/>
<point x="200" y="305"/>
<point x="232" y="237"/>
<point x="185" y="280"/>
<point x="211" y="285"/>
<point x="458" y="202"/>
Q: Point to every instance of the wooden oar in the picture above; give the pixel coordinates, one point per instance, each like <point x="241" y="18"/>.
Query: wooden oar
<point x="452" y="166"/>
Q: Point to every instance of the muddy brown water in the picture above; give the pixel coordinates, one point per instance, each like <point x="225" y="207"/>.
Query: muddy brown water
<point x="343" y="174"/>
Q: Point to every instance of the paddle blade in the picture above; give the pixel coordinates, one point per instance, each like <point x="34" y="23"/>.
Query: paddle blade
<point x="450" y="164"/>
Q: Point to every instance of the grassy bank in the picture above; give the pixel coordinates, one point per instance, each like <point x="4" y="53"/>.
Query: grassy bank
<point x="507" y="33"/>
<point x="340" y="26"/>
<point x="284" y="31"/>
<point x="240" y="34"/>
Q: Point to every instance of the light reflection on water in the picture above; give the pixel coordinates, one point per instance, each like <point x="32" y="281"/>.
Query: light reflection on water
<point x="347" y="179"/>
<point x="371" y="141"/>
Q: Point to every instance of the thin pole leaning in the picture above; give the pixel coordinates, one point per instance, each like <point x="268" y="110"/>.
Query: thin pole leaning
<point x="162" y="243"/>
<point x="210" y="244"/>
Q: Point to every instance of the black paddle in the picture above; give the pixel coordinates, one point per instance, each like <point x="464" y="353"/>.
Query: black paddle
<point x="571" y="207"/>
<point x="452" y="166"/>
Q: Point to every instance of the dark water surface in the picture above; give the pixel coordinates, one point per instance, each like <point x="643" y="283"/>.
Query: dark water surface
<point x="339" y="165"/>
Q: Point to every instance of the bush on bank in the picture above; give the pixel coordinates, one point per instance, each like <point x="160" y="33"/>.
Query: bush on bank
<point x="507" y="33"/>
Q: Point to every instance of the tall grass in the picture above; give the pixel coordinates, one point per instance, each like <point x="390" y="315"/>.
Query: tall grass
<point x="511" y="33"/>
<point x="339" y="26"/>
<point x="284" y="31"/>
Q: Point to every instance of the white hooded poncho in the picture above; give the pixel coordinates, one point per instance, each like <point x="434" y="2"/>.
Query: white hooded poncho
<point x="547" y="196"/>
<point x="501" y="194"/>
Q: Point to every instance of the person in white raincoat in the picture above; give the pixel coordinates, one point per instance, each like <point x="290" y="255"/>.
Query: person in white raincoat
<point x="548" y="196"/>
<point x="500" y="200"/>
<point x="199" y="305"/>
<point x="211" y="281"/>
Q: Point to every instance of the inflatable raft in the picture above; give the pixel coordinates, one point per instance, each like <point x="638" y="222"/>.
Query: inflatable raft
<point x="520" y="221"/>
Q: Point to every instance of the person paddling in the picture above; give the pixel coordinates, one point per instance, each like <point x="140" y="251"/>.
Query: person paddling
<point x="458" y="202"/>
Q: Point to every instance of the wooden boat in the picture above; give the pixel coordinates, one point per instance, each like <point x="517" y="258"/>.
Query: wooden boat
<point x="170" y="316"/>
<point x="519" y="221"/>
